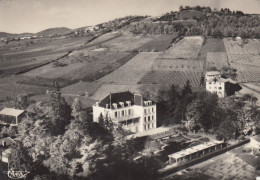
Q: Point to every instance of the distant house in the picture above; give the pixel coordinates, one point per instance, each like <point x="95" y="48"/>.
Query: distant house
<point x="131" y="111"/>
<point x="5" y="148"/>
<point x="222" y="87"/>
<point x="11" y="116"/>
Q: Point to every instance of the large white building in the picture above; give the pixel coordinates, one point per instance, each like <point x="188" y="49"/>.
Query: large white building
<point x="132" y="111"/>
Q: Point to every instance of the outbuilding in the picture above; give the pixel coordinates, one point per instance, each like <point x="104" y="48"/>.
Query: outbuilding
<point x="11" y="116"/>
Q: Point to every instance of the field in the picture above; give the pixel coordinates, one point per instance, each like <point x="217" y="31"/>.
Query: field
<point x="160" y="44"/>
<point x="77" y="67"/>
<point x="187" y="48"/>
<point x="177" y="65"/>
<point x="105" y="89"/>
<point x="17" y="57"/>
<point x="81" y="89"/>
<point x="244" y="55"/>
<point x="217" y="60"/>
<point x="247" y="46"/>
<point x="127" y="42"/>
<point x="172" y="77"/>
<point x="132" y="71"/>
<point x="211" y="45"/>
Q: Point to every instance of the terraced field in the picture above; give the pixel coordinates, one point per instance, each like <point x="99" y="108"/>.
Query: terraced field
<point x="133" y="71"/>
<point x="216" y="59"/>
<point x="172" y="77"/>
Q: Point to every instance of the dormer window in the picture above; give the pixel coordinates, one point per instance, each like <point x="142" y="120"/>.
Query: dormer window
<point x="115" y="105"/>
<point x="121" y="104"/>
<point x="128" y="103"/>
<point x="149" y="102"/>
<point x="145" y="103"/>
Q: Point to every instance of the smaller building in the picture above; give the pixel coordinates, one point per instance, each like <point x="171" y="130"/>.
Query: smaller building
<point x="255" y="143"/>
<point x="195" y="152"/>
<point x="10" y="116"/>
<point x="5" y="148"/>
<point x="222" y="87"/>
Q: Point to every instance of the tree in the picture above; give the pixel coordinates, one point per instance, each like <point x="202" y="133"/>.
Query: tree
<point x="60" y="111"/>
<point x="193" y="116"/>
<point x="22" y="101"/>
<point x="76" y="108"/>
<point x="101" y="120"/>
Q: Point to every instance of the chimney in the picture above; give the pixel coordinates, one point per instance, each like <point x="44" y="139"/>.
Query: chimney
<point x="4" y="143"/>
<point x="138" y="99"/>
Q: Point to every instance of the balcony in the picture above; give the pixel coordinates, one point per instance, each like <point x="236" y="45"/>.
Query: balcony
<point x="124" y="118"/>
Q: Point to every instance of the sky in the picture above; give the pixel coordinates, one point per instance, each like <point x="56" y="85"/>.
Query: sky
<point x="19" y="16"/>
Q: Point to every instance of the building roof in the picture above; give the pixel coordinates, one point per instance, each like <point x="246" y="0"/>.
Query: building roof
<point x="194" y="149"/>
<point x="221" y="80"/>
<point x="9" y="141"/>
<point x="11" y="112"/>
<point x="212" y="73"/>
<point x="256" y="138"/>
<point x="116" y="98"/>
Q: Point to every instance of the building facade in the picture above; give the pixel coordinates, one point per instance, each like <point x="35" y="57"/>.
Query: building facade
<point x="220" y="86"/>
<point x="131" y="111"/>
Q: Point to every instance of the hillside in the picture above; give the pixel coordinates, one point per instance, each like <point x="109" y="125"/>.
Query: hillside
<point x="54" y="31"/>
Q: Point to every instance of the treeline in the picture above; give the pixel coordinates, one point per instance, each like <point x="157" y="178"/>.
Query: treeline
<point x="228" y="117"/>
<point x="203" y="21"/>
<point x="119" y="23"/>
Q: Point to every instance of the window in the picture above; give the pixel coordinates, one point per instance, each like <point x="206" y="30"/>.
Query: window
<point x="148" y="118"/>
<point x="116" y="114"/>
<point x="220" y="88"/>
<point x="122" y="113"/>
<point x="129" y="111"/>
<point x="148" y="126"/>
<point x="152" y="117"/>
<point x="144" y="111"/>
<point x="152" y="109"/>
<point x="144" y="119"/>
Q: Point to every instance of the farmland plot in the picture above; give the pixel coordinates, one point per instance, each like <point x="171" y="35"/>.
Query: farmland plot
<point x="216" y="59"/>
<point x="160" y="44"/>
<point x="78" y="67"/>
<point x="177" y="65"/>
<point x="80" y="89"/>
<point x="246" y="73"/>
<point x="172" y="77"/>
<point x="247" y="59"/>
<point x="132" y="71"/>
<point x="187" y="48"/>
<point x="247" y="46"/>
<point x="127" y="42"/>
